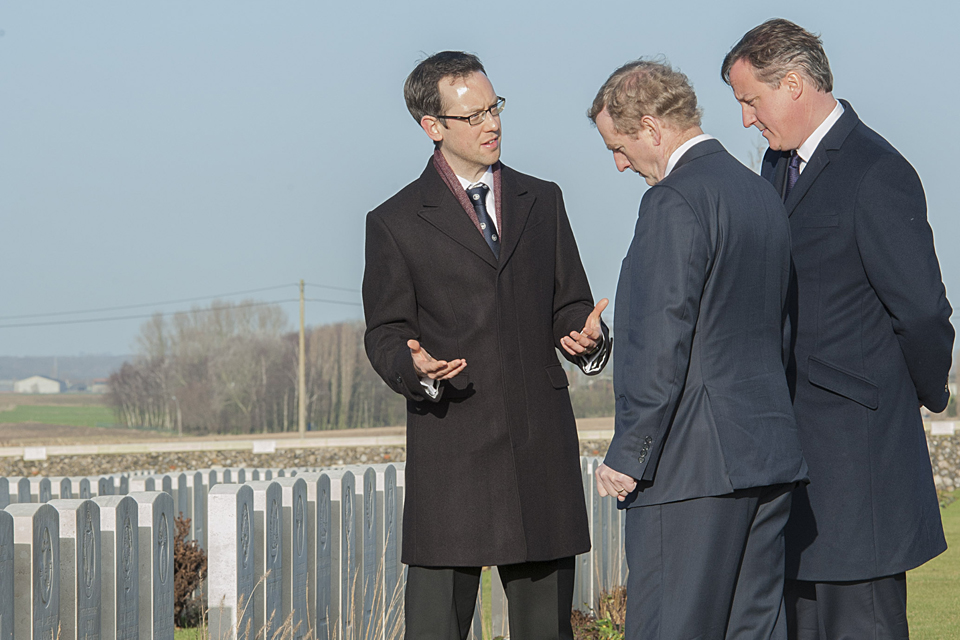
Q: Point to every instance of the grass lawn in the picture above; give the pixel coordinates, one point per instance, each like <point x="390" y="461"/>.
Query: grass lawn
<point x="89" y="416"/>
<point x="187" y="634"/>
<point x="933" y="590"/>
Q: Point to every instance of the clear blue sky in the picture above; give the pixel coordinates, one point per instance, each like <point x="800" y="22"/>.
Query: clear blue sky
<point x="154" y="151"/>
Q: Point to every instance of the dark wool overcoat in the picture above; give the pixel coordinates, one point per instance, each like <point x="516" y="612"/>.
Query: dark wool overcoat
<point x="493" y="469"/>
<point x="873" y="343"/>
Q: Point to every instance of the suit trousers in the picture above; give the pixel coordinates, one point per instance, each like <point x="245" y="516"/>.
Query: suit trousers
<point x="864" y="610"/>
<point x="708" y="568"/>
<point x="439" y="601"/>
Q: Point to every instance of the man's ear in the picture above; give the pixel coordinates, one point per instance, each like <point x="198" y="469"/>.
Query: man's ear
<point x="650" y="127"/>
<point x="793" y="82"/>
<point x="432" y="127"/>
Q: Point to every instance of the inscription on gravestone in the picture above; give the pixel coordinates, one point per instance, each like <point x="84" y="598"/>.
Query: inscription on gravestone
<point x="119" y="553"/>
<point x="36" y="605"/>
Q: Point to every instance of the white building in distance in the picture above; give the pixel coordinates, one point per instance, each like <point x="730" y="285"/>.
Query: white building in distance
<point x="38" y="384"/>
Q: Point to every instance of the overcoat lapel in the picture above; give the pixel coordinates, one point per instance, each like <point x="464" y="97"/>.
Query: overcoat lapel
<point x="517" y="202"/>
<point x="443" y="211"/>
<point x="821" y="156"/>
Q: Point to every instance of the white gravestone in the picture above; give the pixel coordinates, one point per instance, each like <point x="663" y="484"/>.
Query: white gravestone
<point x="371" y="561"/>
<point x="105" y="486"/>
<point x="197" y="506"/>
<point x="231" y="563"/>
<point x="318" y="560"/>
<point x="293" y="492"/>
<point x="120" y="570"/>
<point x="6" y="576"/>
<point x="79" y="569"/>
<point x="156" y="564"/>
<point x="392" y="569"/>
<point x="268" y="557"/>
<point x="36" y="570"/>
<point x="351" y="597"/>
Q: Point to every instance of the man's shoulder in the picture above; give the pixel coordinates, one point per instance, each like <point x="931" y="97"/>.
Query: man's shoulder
<point x="526" y="181"/>
<point x="407" y="200"/>
<point x="718" y="169"/>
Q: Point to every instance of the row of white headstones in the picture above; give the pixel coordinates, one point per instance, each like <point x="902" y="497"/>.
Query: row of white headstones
<point x="301" y="553"/>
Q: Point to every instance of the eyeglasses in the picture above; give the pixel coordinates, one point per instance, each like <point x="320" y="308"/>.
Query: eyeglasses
<point x="476" y="118"/>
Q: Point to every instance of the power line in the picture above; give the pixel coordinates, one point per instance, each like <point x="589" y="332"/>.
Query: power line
<point x="150" y="315"/>
<point x="141" y="316"/>
<point x="353" y="304"/>
<point x="136" y="306"/>
<point x="327" y="286"/>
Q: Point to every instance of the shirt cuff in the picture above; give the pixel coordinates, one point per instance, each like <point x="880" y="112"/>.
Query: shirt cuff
<point x="594" y="362"/>
<point x="430" y="387"/>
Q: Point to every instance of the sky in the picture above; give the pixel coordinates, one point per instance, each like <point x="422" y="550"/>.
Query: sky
<point x="170" y="152"/>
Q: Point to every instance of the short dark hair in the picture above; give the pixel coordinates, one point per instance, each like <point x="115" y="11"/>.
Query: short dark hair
<point x="647" y="88"/>
<point x="777" y="47"/>
<point x="422" y="88"/>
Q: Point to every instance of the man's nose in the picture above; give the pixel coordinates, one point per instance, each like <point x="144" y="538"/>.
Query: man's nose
<point x="622" y="163"/>
<point x="491" y="123"/>
<point x="748" y="117"/>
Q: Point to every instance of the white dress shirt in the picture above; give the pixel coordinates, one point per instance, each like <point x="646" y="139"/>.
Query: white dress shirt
<point x="805" y="150"/>
<point x="487" y="179"/>
<point x="682" y="149"/>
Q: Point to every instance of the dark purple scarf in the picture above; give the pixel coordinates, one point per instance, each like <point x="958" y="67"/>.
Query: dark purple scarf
<point x="450" y="178"/>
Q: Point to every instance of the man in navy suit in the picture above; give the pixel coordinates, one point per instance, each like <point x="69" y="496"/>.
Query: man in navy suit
<point x="872" y="341"/>
<point x="705" y="453"/>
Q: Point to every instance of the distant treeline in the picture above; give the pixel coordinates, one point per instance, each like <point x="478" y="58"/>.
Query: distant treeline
<point x="233" y="369"/>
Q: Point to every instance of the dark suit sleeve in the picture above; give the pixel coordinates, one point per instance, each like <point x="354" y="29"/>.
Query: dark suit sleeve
<point x="662" y="280"/>
<point x="390" y="309"/>
<point x="572" y="300"/>
<point x="896" y="247"/>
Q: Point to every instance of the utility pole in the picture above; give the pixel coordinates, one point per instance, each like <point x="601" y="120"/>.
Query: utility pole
<point x="302" y="377"/>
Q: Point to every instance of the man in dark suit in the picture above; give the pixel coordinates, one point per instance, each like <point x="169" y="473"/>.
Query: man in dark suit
<point x="872" y="340"/>
<point x="476" y="263"/>
<point x="705" y="452"/>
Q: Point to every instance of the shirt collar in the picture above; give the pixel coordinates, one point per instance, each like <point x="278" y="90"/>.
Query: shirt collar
<point x="805" y="150"/>
<point x="682" y="149"/>
<point x="486" y="178"/>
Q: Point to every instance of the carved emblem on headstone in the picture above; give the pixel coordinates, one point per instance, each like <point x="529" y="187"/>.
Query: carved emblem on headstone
<point x="368" y="505"/>
<point x="274" y="530"/>
<point x="348" y="514"/>
<point x="298" y="528"/>
<point x="46" y="566"/>
<point x="324" y="500"/>
<point x="245" y="536"/>
<point x="163" y="547"/>
<point x="89" y="560"/>
<point x="126" y="555"/>
<point x="391" y="502"/>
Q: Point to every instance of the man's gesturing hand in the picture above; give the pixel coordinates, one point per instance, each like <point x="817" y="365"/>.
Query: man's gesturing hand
<point x="614" y="483"/>
<point x="584" y="342"/>
<point x="429" y="367"/>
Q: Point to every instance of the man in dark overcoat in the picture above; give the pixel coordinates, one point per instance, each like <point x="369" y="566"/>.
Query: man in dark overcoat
<point x="472" y="282"/>
<point x="706" y="452"/>
<point x="872" y="340"/>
